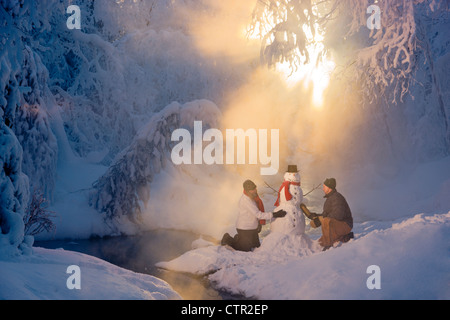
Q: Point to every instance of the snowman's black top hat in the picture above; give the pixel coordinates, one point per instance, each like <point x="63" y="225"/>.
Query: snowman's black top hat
<point x="292" y="168"/>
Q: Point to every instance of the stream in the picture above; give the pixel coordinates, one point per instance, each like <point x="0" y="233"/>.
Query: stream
<point x="139" y="253"/>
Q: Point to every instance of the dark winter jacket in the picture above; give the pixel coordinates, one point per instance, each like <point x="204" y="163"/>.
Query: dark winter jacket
<point x="336" y="207"/>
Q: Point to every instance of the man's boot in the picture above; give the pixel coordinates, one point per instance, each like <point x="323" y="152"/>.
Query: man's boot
<point x="347" y="237"/>
<point x="227" y="240"/>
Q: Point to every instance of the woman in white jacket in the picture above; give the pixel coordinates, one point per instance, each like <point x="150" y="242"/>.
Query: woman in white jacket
<point x="251" y="211"/>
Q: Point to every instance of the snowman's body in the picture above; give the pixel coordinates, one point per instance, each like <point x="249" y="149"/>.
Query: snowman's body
<point x="294" y="221"/>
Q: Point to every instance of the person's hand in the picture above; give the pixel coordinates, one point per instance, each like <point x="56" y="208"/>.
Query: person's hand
<point x="279" y="214"/>
<point x="310" y="215"/>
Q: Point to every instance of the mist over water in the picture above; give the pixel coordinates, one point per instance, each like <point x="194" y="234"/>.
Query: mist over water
<point x="139" y="253"/>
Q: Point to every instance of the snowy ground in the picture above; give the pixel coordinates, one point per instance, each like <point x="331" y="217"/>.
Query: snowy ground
<point x="43" y="275"/>
<point x="412" y="254"/>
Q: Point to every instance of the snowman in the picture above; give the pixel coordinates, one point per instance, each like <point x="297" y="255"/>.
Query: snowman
<point x="290" y="195"/>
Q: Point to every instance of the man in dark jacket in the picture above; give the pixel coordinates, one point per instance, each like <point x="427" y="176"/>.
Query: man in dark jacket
<point x="336" y="219"/>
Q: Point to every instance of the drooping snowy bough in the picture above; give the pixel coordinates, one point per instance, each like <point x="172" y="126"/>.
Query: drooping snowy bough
<point x="124" y="190"/>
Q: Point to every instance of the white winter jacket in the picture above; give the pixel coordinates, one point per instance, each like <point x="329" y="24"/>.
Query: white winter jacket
<point x="249" y="214"/>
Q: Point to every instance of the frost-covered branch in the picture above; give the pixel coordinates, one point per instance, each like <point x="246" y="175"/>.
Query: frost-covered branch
<point x="384" y="60"/>
<point x="389" y="60"/>
<point x="285" y="29"/>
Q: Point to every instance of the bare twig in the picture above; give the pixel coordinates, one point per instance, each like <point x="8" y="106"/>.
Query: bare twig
<point x="315" y="188"/>
<point x="38" y="218"/>
<point x="270" y="187"/>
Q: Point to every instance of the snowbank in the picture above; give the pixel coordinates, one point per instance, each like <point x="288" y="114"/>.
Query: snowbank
<point x="412" y="255"/>
<point x="43" y="275"/>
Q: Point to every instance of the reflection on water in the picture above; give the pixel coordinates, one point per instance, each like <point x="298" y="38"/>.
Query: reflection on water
<point x="140" y="253"/>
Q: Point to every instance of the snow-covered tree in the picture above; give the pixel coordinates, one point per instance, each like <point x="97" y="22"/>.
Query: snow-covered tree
<point x="25" y="83"/>
<point x="120" y="68"/>
<point x="28" y="145"/>
<point x="392" y="65"/>
<point x="386" y="58"/>
<point x="90" y="90"/>
<point x="124" y="191"/>
<point x="14" y="192"/>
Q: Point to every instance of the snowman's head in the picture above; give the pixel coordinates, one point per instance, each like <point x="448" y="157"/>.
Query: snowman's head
<point x="292" y="176"/>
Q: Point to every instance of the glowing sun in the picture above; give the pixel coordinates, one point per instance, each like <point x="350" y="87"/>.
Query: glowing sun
<point x="316" y="72"/>
<point x="313" y="74"/>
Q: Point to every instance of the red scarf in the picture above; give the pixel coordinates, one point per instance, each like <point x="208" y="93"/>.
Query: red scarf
<point x="259" y="204"/>
<point x="287" y="194"/>
<point x="258" y="201"/>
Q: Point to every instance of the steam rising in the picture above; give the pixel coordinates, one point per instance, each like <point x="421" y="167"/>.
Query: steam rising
<point x="203" y="198"/>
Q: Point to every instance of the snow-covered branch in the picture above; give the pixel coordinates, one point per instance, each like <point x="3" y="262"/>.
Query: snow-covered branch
<point x="384" y="60"/>
<point x="281" y="27"/>
<point x="124" y="190"/>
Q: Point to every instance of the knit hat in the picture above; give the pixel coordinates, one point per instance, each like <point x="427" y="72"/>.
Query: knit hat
<point x="330" y="183"/>
<point x="249" y="185"/>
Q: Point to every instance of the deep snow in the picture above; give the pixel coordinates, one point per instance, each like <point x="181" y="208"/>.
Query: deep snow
<point x="43" y="276"/>
<point x="412" y="255"/>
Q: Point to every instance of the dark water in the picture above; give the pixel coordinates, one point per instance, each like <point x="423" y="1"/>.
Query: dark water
<point x="140" y="253"/>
